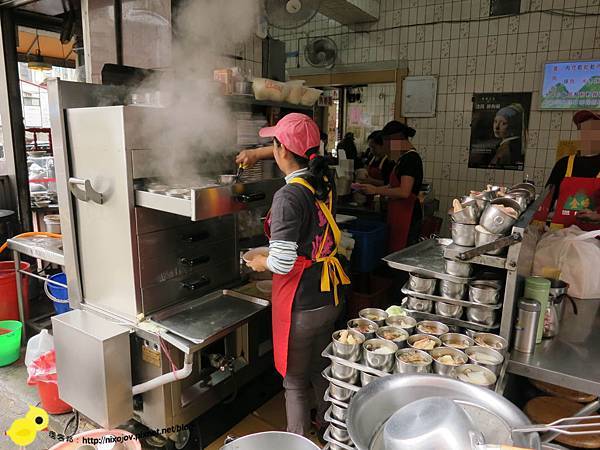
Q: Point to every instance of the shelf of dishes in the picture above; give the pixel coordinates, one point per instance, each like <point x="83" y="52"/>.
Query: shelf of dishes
<point x="376" y="345"/>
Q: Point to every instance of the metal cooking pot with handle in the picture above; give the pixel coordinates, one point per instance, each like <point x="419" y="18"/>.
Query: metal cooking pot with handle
<point x="270" y="440"/>
<point x="492" y="414"/>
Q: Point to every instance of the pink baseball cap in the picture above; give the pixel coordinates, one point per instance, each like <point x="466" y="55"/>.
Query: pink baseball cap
<point x="297" y="132"/>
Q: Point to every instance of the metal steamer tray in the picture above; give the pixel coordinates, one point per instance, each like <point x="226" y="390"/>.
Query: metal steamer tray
<point x="328" y="353"/>
<point x="330" y="440"/>
<point x="436" y="298"/>
<point x="425" y="258"/>
<point x="474" y="326"/>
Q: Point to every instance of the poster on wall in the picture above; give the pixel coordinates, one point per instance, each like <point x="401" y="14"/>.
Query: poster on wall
<point x="504" y="7"/>
<point x="571" y="85"/>
<point x="498" y="130"/>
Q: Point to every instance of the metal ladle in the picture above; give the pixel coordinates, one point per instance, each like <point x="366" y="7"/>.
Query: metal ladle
<point x="558" y="427"/>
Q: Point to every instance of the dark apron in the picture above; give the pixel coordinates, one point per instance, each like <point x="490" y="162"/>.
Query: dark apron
<point x="399" y="216"/>
<point x="376" y="171"/>
<point x="285" y="286"/>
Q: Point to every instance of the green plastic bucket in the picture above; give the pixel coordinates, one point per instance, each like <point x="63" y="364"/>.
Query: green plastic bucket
<point x="10" y="343"/>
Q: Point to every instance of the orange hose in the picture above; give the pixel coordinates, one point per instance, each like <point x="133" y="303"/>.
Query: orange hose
<point x="29" y="234"/>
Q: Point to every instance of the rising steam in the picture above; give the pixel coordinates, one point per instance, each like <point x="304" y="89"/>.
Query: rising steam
<point x="196" y="132"/>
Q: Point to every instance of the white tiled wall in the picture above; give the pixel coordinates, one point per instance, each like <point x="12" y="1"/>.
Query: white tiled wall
<point x="470" y="52"/>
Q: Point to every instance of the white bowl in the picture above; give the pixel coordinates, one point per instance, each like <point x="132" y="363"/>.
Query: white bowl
<point x="251" y="254"/>
<point x="265" y="286"/>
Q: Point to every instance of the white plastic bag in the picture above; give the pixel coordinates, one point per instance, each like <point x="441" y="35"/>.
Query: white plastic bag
<point x="37" y="346"/>
<point x="576" y="254"/>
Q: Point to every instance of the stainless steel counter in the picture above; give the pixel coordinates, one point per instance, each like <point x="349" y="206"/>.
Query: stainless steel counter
<point x="572" y="359"/>
<point x="40" y="247"/>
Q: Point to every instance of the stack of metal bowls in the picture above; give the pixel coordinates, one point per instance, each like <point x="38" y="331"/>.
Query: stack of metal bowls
<point x="377" y="354"/>
<point x="483" y="293"/>
<point x="350" y="352"/>
<point x="422" y="285"/>
<point x="464" y="222"/>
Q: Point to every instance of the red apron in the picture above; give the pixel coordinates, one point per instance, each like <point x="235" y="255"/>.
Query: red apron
<point x="576" y="194"/>
<point x="285" y="286"/>
<point x="376" y="171"/>
<point x="399" y="216"/>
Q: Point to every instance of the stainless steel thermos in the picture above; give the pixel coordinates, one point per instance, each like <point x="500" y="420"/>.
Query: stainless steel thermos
<point x="527" y="324"/>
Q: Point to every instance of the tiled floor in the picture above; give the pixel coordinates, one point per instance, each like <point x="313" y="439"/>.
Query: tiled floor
<point x="269" y="417"/>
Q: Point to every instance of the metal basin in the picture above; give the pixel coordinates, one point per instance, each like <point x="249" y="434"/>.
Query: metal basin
<point x="421" y="284"/>
<point x="497" y="221"/>
<point x="374" y="315"/>
<point x="431" y="423"/>
<point x="486" y="357"/>
<point x="482" y="316"/>
<point x="407" y="323"/>
<point x="468" y="215"/>
<point x="450" y="289"/>
<point x="463" y="234"/>
<point x="407" y="366"/>
<point x="457" y="340"/>
<point x="419" y="304"/>
<point x="484" y="292"/>
<point x="374" y="404"/>
<point x="458" y="268"/>
<point x="366" y="327"/>
<point x="271" y="440"/>
<point x="482" y="237"/>
<point x="448" y="310"/>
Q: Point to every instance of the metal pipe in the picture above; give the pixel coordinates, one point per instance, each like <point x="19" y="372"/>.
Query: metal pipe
<point x="47" y="280"/>
<point x="590" y="407"/>
<point x="17" y="259"/>
<point x="167" y="378"/>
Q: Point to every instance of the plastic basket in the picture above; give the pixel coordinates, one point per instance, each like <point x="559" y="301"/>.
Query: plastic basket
<point x="370" y="243"/>
<point x="10" y="343"/>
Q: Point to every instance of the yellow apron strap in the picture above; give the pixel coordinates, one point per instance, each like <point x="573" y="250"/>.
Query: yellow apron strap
<point x="570" y="163"/>
<point x="332" y="268"/>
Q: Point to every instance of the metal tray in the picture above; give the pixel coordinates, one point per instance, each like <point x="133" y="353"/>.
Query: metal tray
<point x="212" y="200"/>
<point x="450" y="321"/>
<point x="327" y="375"/>
<point x="437" y="298"/>
<point x="329" y="418"/>
<point x="330" y="399"/>
<point x="452" y="251"/>
<point x="210" y="317"/>
<point x="327" y="353"/>
<point x="425" y="258"/>
<point x="328" y="438"/>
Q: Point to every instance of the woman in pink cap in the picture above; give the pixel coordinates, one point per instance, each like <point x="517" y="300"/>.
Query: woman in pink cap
<point x="303" y="240"/>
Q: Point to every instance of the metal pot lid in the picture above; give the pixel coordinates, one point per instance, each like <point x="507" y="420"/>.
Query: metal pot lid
<point x="271" y="440"/>
<point x="374" y="404"/>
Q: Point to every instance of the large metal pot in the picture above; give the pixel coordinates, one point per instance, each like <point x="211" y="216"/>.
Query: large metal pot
<point x="374" y="404"/>
<point x="271" y="440"/>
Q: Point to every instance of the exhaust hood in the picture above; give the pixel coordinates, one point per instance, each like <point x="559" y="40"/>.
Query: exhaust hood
<point x="350" y="12"/>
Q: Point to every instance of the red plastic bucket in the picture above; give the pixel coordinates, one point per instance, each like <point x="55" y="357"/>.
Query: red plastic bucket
<point x="51" y="403"/>
<point x="9" y="304"/>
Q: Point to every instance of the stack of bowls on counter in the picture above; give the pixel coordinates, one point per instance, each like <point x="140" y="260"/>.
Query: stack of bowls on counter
<point x="368" y="349"/>
<point x="484" y="295"/>
<point x="486" y="216"/>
